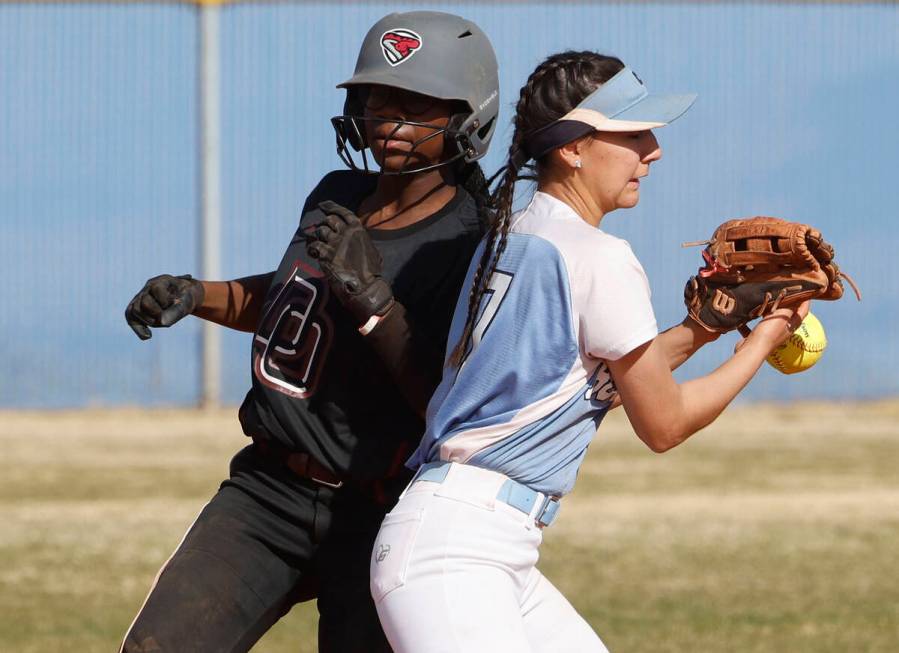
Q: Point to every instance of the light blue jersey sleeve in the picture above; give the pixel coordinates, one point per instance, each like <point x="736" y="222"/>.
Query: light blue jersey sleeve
<point x="533" y="388"/>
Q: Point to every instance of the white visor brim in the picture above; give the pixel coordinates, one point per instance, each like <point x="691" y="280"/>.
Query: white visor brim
<point x="650" y="112"/>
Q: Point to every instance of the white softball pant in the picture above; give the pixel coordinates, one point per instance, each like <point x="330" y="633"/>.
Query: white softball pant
<point x="453" y="571"/>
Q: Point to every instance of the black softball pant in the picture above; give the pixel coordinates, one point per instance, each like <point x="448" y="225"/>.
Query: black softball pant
<point x="266" y="541"/>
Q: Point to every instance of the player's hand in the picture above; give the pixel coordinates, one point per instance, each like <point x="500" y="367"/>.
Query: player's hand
<point x="351" y="263"/>
<point x="776" y="328"/>
<point x="163" y="301"/>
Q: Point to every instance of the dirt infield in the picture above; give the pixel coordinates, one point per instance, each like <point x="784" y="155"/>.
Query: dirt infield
<point x="773" y="530"/>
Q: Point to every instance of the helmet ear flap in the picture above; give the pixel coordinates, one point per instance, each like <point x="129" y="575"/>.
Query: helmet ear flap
<point x="457" y="120"/>
<point x="459" y="130"/>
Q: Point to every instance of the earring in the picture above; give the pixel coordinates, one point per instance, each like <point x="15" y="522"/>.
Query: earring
<point x="577" y="163"/>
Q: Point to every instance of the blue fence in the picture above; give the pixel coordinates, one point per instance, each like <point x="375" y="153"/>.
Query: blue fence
<point x="98" y="133"/>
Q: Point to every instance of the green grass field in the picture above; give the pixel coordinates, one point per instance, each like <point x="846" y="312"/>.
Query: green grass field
<point x="776" y="529"/>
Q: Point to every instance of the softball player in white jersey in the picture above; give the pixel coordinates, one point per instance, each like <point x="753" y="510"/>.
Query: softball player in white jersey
<point x="557" y="328"/>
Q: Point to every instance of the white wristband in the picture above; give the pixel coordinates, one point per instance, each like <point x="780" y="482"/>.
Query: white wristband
<point x="369" y="326"/>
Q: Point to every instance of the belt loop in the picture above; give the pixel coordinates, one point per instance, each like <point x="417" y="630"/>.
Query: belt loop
<point x="547" y="512"/>
<point x="299" y="464"/>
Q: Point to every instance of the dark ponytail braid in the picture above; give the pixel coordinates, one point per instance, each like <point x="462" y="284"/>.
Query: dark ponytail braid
<point x="470" y="176"/>
<point x="555" y="87"/>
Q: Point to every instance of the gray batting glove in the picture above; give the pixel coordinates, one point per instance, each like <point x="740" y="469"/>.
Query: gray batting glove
<point x="351" y="262"/>
<point x="163" y="301"/>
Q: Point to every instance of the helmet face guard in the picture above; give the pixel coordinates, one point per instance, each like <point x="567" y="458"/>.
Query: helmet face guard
<point x="353" y="149"/>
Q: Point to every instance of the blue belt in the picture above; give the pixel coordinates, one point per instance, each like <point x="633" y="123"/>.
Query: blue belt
<point x="510" y="492"/>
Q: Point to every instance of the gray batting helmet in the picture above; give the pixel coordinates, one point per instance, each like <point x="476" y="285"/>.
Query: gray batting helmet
<point x="432" y="53"/>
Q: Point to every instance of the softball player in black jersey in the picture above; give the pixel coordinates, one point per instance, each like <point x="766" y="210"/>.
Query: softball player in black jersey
<point x="348" y="342"/>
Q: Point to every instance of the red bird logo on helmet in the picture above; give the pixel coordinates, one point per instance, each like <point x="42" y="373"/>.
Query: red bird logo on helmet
<point x="399" y="44"/>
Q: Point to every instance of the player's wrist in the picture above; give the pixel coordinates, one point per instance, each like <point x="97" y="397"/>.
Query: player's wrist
<point x="372" y="301"/>
<point x="701" y="334"/>
<point x="197" y="291"/>
<point x="375" y="319"/>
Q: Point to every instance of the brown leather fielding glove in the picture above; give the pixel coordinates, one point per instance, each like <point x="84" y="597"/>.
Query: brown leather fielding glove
<point x="755" y="265"/>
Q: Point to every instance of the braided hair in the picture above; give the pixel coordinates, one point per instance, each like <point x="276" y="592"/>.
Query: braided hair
<point x="470" y="176"/>
<point x="555" y="87"/>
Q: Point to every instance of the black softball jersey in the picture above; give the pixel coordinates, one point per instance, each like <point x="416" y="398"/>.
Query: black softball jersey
<point x="317" y="385"/>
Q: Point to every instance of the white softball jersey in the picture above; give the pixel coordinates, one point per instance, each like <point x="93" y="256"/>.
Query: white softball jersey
<point x="533" y="386"/>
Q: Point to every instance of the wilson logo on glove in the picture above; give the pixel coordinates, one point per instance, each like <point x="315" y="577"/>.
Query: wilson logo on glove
<point x="723" y="303"/>
<point x="398" y="45"/>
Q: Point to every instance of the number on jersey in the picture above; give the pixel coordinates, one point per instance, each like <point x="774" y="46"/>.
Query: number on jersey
<point x="493" y="297"/>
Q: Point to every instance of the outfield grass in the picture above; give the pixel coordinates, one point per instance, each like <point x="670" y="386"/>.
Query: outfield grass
<point x="776" y="529"/>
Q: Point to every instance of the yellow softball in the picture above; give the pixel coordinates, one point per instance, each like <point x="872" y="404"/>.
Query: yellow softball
<point x="802" y="350"/>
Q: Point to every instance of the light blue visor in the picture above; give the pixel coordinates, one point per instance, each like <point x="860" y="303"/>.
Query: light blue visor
<point x="623" y="104"/>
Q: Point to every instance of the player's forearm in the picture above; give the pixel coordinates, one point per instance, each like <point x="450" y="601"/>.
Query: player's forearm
<point x="683" y="340"/>
<point x="236" y="304"/>
<point x="702" y="400"/>
<point x="414" y="363"/>
<point x="664" y="413"/>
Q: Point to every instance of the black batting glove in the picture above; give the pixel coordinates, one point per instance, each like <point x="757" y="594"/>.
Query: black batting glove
<point x="351" y="263"/>
<point x="163" y="301"/>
